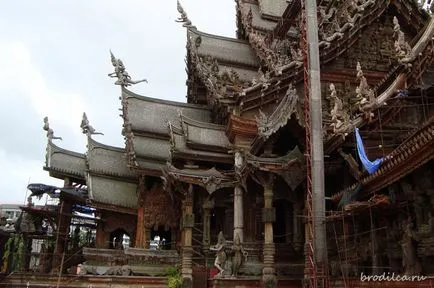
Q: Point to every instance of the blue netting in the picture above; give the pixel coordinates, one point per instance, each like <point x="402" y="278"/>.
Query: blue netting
<point x="370" y="166"/>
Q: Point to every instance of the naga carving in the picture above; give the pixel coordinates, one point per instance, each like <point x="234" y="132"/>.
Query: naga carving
<point x="87" y="128"/>
<point x="123" y="78"/>
<point x="50" y="132"/>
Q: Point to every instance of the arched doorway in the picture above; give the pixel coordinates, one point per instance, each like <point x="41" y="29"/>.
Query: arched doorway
<point x="282" y="227"/>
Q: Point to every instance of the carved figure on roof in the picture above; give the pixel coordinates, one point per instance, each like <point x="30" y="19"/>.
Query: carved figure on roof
<point x="220" y="259"/>
<point x="50" y="132"/>
<point x="364" y="95"/>
<point x="340" y="119"/>
<point x="86" y="128"/>
<point x="402" y="47"/>
<point x="410" y="261"/>
<point x="183" y="18"/>
<point x="238" y="254"/>
<point x="123" y="78"/>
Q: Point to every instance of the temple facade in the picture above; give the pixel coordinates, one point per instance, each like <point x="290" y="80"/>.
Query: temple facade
<point x="223" y="178"/>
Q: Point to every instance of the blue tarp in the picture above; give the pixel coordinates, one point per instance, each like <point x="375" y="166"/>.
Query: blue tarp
<point x="370" y="166"/>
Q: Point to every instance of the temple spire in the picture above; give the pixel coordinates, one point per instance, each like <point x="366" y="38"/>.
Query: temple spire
<point x="50" y="132"/>
<point x="87" y="128"/>
<point x="124" y="79"/>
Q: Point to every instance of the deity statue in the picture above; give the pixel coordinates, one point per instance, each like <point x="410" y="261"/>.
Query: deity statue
<point x="123" y="78"/>
<point x="402" y="47"/>
<point x="220" y="259"/>
<point x="238" y="254"/>
<point x="87" y="128"/>
<point x="50" y="132"/>
<point x="340" y="119"/>
<point x="410" y="262"/>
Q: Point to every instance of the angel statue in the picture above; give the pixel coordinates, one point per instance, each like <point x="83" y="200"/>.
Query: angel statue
<point x="50" y="132"/>
<point x="220" y="259"/>
<point x="123" y="78"/>
<point x="239" y="253"/>
<point x="87" y="128"/>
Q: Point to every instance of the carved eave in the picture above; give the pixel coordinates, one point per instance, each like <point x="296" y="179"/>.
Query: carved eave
<point x="108" y="161"/>
<point x="411" y="154"/>
<point x="211" y="179"/>
<point x="62" y="163"/>
<point x="239" y="126"/>
<point x="181" y="151"/>
<point x="205" y="136"/>
<point x="268" y="125"/>
<point x="290" y="167"/>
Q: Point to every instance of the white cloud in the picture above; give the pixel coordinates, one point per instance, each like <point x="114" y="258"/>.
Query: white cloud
<point x="22" y="76"/>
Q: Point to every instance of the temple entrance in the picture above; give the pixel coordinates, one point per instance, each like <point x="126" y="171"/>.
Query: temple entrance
<point x="119" y="239"/>
<point x="161" y="239"/>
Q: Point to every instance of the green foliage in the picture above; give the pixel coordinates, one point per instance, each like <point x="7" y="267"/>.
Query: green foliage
<point x="14" y="251"/>
<point x="174" y="279"/>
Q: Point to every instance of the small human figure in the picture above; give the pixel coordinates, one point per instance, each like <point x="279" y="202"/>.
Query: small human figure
<point x="238" y="255"/>
<point x="220" y="259"/>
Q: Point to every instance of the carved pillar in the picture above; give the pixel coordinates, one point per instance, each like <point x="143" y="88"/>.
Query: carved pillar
<point x="187" y="249"/>
<point x="268" y="217"/>
<point x="297" y="222"/>
<point x="141" y="235"/>
<point x="238" y="213"/>
<point x="207" y="207"/>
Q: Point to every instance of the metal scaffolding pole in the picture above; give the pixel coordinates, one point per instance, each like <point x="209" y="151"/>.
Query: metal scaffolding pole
<point x="317" y="153"/>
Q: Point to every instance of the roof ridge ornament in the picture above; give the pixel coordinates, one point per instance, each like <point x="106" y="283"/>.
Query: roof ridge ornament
<point x="124" y="79"/>
<point x="87" y="128"/>
<point x="183" y="18"/>
<point x="50" y="132"/>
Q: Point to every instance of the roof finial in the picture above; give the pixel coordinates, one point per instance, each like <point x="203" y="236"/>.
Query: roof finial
<point x="183" y="18"/>
<point x="123" y="78"/>
<point x="50" y="132"/>
<point x="87" y="128"/>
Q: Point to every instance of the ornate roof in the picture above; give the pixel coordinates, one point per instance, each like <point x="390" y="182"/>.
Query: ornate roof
<point x="180" y="149"/>
<point x="224" y="49"/>
<point x="150" y="115"/>
<point x="64" y="162"/>
<point x="111" y="191"/>
<point x="272" y="8"/>
<point x="205" y="136"/>
<point x="107" y="160"/>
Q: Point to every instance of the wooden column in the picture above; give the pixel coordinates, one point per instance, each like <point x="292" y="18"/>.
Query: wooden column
<point x="238" y="213"/>
<point x="63" y="223"/>
<point x="207" y="207"/>
<point x="187" y="249"/>
<point x="268" y="217"/>
<point x="141" y="237"/>
<point x="297" y="215"/>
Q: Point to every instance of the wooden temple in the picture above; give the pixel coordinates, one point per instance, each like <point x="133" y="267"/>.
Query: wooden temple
<point x="232" y="159"/>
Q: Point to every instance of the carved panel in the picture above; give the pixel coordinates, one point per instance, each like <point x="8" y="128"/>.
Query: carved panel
<point x="160" y="208"/>
<point x="375" y="49"/>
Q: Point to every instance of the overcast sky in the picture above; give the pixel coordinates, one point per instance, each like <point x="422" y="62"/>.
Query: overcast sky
<point x="55" y="60"/>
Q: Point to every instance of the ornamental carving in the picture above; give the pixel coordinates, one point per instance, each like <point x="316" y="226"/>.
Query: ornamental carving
<point x="402" y="48"/>
<point x="86" y="128"/>
<point x="50" y="132"/>
<point x="124" y="79"/>
<point x="160" y="208"/>
<point x="268" y="125"/>
<point x="340" y="119"/>
<point x="183" y="18"/>
<point x="365" y="96"/>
